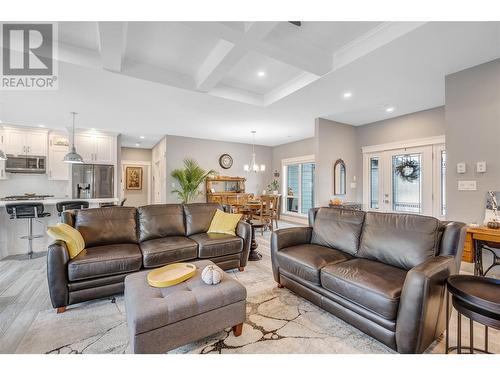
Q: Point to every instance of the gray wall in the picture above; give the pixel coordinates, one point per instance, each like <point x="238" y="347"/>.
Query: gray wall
<point x="422" y="124"/>
<point x="472" y="135"/>
<point x="207" y="152"/>
<point x="333" y="141"/>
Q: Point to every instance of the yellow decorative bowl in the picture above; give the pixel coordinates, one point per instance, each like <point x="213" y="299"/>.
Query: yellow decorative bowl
<point x="171" y="274"/>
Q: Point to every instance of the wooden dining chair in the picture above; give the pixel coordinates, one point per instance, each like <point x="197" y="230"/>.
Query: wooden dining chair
<point x="264" y="213"/>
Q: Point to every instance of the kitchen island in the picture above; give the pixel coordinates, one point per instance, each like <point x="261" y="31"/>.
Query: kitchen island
<point x="12" y="229"/>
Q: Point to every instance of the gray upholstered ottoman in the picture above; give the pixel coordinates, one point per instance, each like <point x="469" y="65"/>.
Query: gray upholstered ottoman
<point x="161" y="319"/>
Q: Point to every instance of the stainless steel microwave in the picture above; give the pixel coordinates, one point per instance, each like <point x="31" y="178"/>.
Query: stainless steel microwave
<point x="25" y="164"/>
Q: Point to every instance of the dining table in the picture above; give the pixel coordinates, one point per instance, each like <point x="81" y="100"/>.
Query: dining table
<point x="248" y="209"/>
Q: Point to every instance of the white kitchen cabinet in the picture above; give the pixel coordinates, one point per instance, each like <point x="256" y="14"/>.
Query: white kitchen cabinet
<point x="105" y="151"/>
<point x="15" y="142"/>
<point x="36" y="143"/>
<point x="85" y="146"/>
<point x="58" y="148"/>
<point x="25" y="142"/>
<point x="96" y="148"/>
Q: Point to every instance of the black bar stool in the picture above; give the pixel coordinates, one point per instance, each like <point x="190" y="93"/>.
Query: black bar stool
<point x="70" y="205"/>
<point x="28" y="211"/>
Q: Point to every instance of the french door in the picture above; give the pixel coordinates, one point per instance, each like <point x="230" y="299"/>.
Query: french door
<point x="403" y="180"/>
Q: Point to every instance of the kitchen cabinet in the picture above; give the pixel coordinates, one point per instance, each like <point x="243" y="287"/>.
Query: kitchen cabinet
<point x="58" y="148"/>
<point x="96" y="148"/>
<point x="25" y="142"/>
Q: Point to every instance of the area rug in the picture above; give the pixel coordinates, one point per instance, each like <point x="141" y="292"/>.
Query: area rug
<point x="277" y="322"/>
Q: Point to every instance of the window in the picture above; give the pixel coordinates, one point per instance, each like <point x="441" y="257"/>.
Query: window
<point x="299" y="188"/>
<point x="407" y="194"/>
<point x="374" y="173"/>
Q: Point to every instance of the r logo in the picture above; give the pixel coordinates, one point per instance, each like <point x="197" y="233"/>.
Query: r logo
<point x="28" y="49"/>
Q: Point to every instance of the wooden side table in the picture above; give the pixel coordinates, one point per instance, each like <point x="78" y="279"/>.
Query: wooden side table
<point x="475" y="241"/>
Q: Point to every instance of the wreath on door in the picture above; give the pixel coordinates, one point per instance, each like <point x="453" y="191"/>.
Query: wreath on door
<point x="408" y="170"/>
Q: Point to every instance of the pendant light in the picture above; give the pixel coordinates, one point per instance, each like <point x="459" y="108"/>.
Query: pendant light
<point x="72" y="157"/>
<point x="254" y="167"/>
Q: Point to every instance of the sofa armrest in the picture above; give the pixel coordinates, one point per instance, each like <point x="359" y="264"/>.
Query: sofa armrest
<point x="422" y="316"/>
<point x="244" y="230"/>
<point x="57" y="273"/>
<point x="287" y="237"/>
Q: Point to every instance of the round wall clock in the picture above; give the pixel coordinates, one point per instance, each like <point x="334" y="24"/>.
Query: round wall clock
<point x="226" y="161"/>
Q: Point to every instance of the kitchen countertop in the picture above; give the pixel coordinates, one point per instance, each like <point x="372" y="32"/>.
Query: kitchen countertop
<point x="53" y="201"/>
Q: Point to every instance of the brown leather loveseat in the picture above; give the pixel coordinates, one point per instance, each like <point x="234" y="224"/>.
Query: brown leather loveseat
<point x="383" y="273"/>
<point x="123" y="240"/>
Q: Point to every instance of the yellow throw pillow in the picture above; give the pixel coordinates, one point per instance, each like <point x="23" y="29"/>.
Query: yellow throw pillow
<point x="74" y="240"/>
<point x="224" y="223"/>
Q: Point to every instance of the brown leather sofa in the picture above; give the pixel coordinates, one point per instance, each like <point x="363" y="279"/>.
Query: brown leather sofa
<point x="123" y="240"/>
<point x="383" y="273"/>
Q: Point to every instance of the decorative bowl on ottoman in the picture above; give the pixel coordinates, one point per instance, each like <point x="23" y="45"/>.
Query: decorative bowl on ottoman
<point x="161" y="319"/>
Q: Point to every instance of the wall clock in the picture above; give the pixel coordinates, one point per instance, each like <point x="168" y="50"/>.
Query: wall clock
<point x="226" y="161"/>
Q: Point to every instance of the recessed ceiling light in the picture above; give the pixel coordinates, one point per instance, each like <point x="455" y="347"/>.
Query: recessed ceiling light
<point x="41" y="126"/>
<point x="347" y="94"/>
<point x="93" y="129"/>
<point x="137" y="144"/>
<point x="261" y="73"/>
<point x="389" y="109"/>
<point x="142" y="137"/>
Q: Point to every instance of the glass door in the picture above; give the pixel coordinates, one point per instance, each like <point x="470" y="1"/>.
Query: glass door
<point x="400" y="181"/>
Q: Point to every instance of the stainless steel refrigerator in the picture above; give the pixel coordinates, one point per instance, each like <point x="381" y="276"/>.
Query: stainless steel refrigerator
<point x="92" y="181"/>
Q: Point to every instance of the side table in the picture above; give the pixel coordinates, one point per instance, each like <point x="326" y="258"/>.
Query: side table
<point x="477" y="298"/>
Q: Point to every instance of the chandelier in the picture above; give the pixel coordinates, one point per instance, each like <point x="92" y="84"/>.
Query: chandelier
<point x="254" y="167"/>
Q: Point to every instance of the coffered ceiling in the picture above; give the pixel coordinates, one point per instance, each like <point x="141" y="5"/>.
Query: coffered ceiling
<point x="220" y="80"/>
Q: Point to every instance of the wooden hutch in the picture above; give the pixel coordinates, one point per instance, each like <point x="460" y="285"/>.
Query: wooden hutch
<point x="226" y="190"/>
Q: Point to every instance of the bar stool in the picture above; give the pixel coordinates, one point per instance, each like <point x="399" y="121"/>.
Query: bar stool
<point x="28" y="211"/>
<point x="70" y="205"/>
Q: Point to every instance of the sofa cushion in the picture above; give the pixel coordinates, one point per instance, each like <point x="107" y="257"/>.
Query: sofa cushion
<point x="161" y="251"/>
<point x="306" y="261"/>
<point x="107" y="225"/>
<point x="199" y="216"/>
<point x="373" y="285"/>
<point x="400" y="240"/>
<point x="212" y="245"/>
<point x="104" y="261"/>
<point x="337" y="228"/>
<point x="160" y="220"/>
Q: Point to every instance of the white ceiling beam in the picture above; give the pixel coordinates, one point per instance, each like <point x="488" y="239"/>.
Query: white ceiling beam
<point x="225" y="55"/>
<point x="372" y="40"/>
<point x="112" y="41"/>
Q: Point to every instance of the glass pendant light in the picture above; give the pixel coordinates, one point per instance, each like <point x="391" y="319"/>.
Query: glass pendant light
<point x="253" y="166"/>
<point x="72" y="157"/>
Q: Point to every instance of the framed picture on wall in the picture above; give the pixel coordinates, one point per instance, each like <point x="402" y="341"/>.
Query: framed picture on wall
<point x="133" y="178"/>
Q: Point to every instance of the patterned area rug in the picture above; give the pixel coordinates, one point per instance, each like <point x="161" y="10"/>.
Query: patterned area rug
<point x="277" y="321"/>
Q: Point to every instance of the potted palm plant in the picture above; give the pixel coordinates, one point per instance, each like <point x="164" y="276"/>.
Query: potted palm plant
<point x="190" y="178"/>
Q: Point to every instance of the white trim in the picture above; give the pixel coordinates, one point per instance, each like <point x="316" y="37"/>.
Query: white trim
<point x="146" y="163"/>
<point x="418" y="142"/>
<point x="298" y="160"/>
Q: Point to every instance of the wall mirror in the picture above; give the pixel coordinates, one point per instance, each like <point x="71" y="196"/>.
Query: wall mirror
<point x="339" y="178"/>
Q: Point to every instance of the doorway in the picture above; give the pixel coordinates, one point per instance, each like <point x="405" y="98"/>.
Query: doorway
<point x="405" y="179"/>
<point x="140" y="193"/>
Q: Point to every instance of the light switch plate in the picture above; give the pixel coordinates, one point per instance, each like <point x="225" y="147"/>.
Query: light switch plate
<point x="353" y="185"/>
<point x="481" y="167"/>
<point x="467" y="185"/>
<point x="461" y="168"/>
